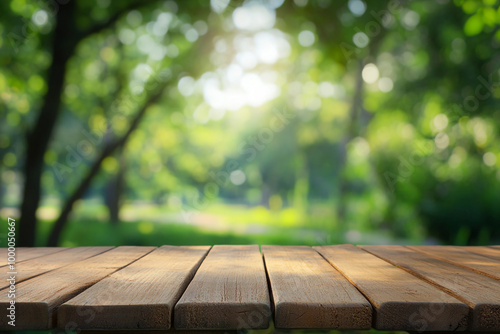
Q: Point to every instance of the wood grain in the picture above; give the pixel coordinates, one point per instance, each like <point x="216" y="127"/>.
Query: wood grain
<point x="169" y="331"/>
<point x="140" y="296"/>
<point x="309" y="293"/>
<point x="461" y="257"/>
<point x="491" y="252"/>
<point x="229" y="291"/>
<point x="38" y="298"/>
<point x="481" y="293"/>
<point x="400" y="300"/>
<point x="27" y="253"/>
<point x="37" y="266"/>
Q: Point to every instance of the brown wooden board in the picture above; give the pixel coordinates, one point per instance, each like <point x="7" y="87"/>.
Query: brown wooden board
<point x="401" y="301"/>
<point x="37" y="298"/>
<point x="37" y="266"/>
<point x="169" y="331"/>
<point x="27" y="253"/>
<point x="309" y="293"/>
<point x="139" y="296"/>
<point x="229" y="291"/>
<point x="491" y="252"/>
<point x="480" y="292"/>
<point x="463" y="258"/>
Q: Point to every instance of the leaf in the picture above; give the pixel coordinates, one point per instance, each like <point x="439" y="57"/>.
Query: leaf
<point x="489" y="16"/>
<point x="474" y="25"/>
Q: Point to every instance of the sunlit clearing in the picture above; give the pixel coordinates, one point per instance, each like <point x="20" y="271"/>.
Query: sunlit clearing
<point x="250" y="77"/>
<point x="236" y="89"/>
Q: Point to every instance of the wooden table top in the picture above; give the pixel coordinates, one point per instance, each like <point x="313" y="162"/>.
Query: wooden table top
<point x="413" y="288"/>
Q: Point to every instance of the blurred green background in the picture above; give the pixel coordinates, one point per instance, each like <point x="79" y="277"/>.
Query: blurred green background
<point x="272" y="122"/>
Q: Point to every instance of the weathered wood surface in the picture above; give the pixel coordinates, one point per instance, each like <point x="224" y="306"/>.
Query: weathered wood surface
<point x="463" y="258"/>
<point x="229" y="291"/>
<point x="480" y="292"/>
<point x="37" y="298"/>
<point x="155" y="331"/>
<point x="27" y="253"/>
<point x="227" y="288"/>
<point x="491" y="252"/>
<point x="37" y="266"/>
<point x="140" y="296"/>
<point x="309" y="293"/>
<point x="400" y="300"/>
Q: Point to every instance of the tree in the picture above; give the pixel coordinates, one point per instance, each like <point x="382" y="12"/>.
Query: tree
<point x="65" y="40"/>
<point x="153" y="91"/>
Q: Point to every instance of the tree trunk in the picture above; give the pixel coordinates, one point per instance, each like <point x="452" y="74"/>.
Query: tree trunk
<point x="354" y="126"/>
<point x="38" y="138"/>
<point x="114" y="190"/>
<point x="65" y="39"/>
<point x="59" y="224"/>
<point x="352" y="130"/>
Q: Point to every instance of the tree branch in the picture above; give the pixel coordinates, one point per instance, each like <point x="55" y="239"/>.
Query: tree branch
<point x="112" y="20"/>
<point x="96" y="166"/>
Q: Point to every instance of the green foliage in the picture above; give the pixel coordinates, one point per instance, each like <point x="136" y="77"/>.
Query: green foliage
<point x="337" y="118"/>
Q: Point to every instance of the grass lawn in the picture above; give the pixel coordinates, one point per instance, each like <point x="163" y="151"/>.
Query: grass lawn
<point x="95" y="233"/>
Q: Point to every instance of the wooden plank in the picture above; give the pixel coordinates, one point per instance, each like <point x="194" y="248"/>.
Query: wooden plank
<point x="448" y="332"/>
<point x="490" y="252"/>
<point x="309" y="293"/>
<point x="37" y="298"/>
<point x="481" y="293"/>
<point x="37" y="266"/>
<point x="229" y="291"/>
<point x="140" y="296"/>
<point x="400" y="300"/>
<point x="461" y="257"/>
<point x="28" y="253"/>
<point x="169" y="331"/>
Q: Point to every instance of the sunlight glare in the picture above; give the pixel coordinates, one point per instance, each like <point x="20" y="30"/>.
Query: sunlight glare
<point x="370" y="73"/>
<point x="219" y="6"/>
<point x="186" y="86"/>
<point x="247" y="79"/>
<point x="254" y="17"/>
<point x="357" y="7"/>
<point x="306" y="38"/>
<point x="237" y="177"/>
<point x="234" y="73"/>
<point x="385" y="84"/>
<point x="266" y="47"/>
<point x="360" y="39"/>
<point x="489" y="159"/>
<point x="246" y="59"/>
